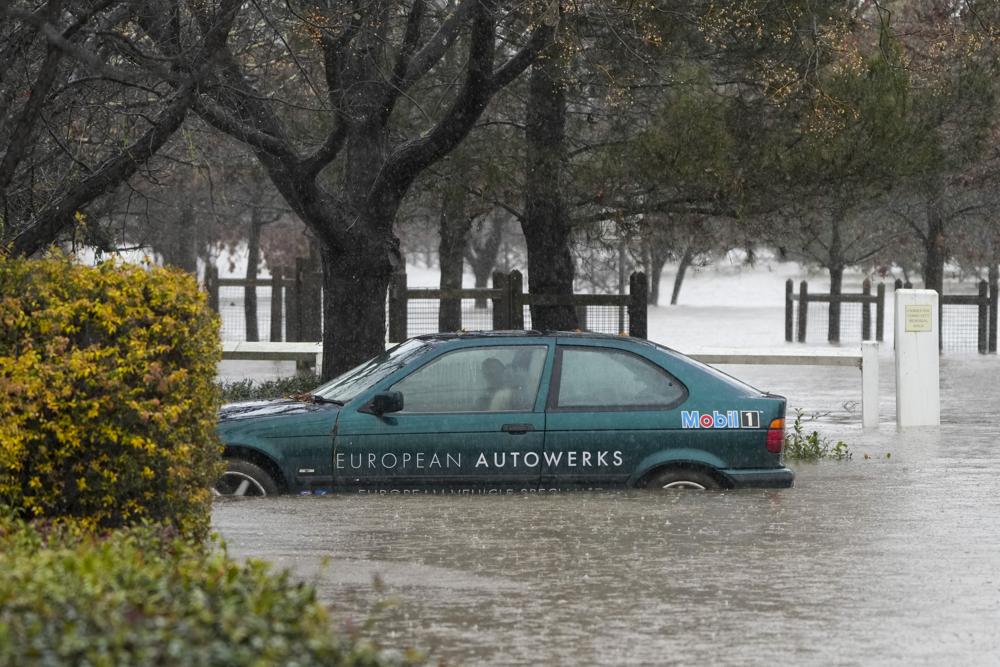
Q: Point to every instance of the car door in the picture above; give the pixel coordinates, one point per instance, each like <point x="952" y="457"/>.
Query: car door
<point x="472" y="420"/>
<point x="607" y="408"/>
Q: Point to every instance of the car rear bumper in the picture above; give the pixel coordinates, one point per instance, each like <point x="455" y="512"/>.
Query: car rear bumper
<point x="761" y="478"/>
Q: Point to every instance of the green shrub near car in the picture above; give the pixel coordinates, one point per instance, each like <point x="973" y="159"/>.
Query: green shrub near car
<point x="108" y="398"/>
<point x="141" y="596"/>
<point x="108" y="404"/>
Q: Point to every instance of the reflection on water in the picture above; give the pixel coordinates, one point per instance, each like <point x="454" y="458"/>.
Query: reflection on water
<point x="875" y="561"/>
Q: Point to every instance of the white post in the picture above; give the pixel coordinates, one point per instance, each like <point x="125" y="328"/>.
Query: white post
<point x="918" y="391"/>
<point x="869" y="384"/>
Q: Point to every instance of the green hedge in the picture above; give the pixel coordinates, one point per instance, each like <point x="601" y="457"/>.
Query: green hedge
<point x="141" y="597"/>
<point x="107" y="394"/>
<point x="253" y="390"/>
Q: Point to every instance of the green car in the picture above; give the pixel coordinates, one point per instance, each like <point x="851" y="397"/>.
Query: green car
<point x="510" y="412"/>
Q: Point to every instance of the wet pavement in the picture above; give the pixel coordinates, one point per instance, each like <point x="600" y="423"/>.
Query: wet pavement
<point x="891" y="558"/>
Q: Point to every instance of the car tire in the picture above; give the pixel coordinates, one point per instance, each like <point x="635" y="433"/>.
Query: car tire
<point x="682" y="478"/>
<point x="243" y="478"/>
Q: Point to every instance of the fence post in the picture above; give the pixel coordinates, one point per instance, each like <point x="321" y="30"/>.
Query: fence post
<point x="501" y="303"/>
<point x="940" y="309"/>
<point x="994" y="304"/>
<point x="293" y="305"/>
<point x="866" y="310"/>
<point x="397" y="307"/>
<point x="277" y="309"/>
<point x="880" y="312"/>
<point x="789" y="306"/>
<point x="803" y="310"/>
<point x="212" y="286"/>
<point x="515" y="290"/>
<point x="984" y="316"/>
<point x="638" y="290"/>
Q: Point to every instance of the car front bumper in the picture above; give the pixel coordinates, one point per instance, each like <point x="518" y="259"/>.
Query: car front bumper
<point x="760" y="478"/>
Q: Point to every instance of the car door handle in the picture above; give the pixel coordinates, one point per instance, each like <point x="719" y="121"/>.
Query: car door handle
<point x="517" y="429"/>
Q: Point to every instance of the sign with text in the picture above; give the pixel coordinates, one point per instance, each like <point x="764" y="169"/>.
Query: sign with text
<point x="918" y="318"/>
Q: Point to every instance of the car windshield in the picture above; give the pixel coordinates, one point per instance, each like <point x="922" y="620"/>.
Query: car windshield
<point x="345" y="387"/>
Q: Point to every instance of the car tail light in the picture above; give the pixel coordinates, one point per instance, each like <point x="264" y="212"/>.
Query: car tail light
<point x="776" y="436"/>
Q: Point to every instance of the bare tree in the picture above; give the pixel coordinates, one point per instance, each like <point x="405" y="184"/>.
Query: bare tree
<point x="324" y="95"/>
<point x="86" y="100"/>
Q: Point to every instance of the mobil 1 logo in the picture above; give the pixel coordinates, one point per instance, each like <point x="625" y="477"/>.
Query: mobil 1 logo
<point x="720" y="419"/>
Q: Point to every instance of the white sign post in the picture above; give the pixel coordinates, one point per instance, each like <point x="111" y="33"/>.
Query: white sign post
<point x="869" y="384"/>
<point x="918" y="392"/>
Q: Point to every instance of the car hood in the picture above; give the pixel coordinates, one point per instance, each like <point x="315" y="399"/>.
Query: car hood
<point x="264" y="409"/>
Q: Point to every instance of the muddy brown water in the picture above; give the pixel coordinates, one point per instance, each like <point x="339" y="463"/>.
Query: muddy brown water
<point x="891" y="558"/>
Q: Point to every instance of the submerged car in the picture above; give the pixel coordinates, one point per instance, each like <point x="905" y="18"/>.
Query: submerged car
<point x="510" y="412"/>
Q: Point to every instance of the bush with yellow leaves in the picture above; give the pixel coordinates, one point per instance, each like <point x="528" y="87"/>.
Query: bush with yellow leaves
<point x="107" y="394"/>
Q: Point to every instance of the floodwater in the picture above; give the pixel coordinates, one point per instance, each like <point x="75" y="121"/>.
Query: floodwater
<point x="891" y="558"/>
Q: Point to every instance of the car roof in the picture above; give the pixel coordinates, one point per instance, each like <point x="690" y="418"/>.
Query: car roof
<point x="473" y="335"/>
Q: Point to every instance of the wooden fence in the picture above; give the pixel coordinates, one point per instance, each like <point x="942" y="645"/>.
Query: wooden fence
<point x="296" y="302"/>
<point x="796" y="320"/>
<point x="986" y="302"/>
<point x="986" y="320"/>
<point x="508" y="300"/>
<point x="804" y="298"/>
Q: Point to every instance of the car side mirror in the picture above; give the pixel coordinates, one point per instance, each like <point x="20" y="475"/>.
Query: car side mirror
<point x="385" y="402"/>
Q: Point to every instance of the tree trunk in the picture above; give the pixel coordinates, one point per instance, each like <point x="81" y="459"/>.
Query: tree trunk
<point x="454" y="233"/>
<point x="250" y="290"/>
<point x="836" y="268"/>
<point x="836" y="288"/>
<point x="655" y="261"/>
<point x="482" y="257"/>
<point x="682" y="268"/>
<point x="934" y="256"/>
<point x="180" y="247"/>
<point x="354" y="293"/>
<point x="546" y="222"/>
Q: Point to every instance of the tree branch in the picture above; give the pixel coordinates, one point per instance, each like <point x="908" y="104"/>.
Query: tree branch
<point x="322" y="156"/>
<point x="406" y="50"/>
<point x="220" y="118"/>
<point x="22" y="132"/>
<point x="58" y="215"/>
<point x="540" y="38"/>
<point x="437" y="45"/>
<point x="477" y="90"/>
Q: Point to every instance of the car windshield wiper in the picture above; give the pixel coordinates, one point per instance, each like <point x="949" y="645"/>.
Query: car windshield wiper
<point x="316" y="398"/>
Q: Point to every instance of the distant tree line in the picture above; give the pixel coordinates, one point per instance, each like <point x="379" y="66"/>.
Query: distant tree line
<point x="545" y="132"/>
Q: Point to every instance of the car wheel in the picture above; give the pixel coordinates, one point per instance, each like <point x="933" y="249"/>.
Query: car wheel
<point x="682" y="478"/>
<point x="243" y="478"/>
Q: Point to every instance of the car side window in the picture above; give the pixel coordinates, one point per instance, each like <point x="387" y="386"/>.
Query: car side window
<point x="477" y="379"/>
<point x="597" y="378"/>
